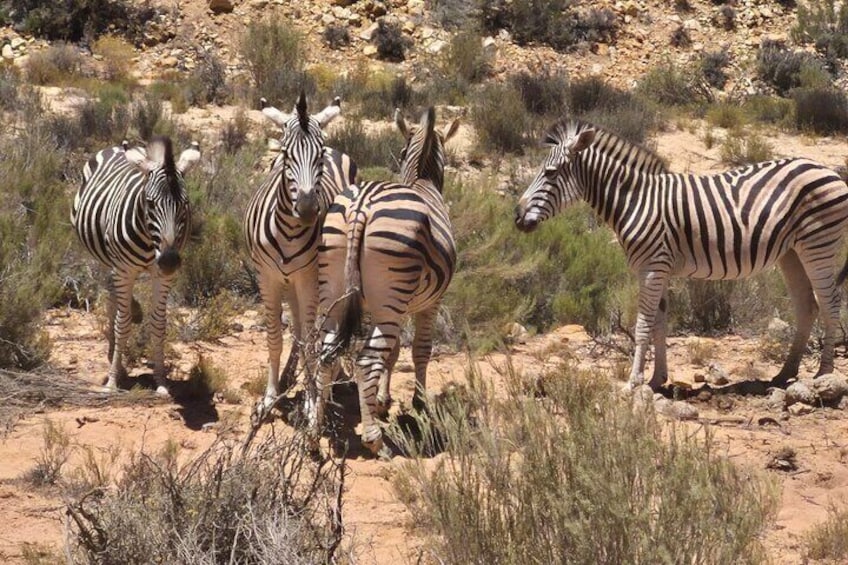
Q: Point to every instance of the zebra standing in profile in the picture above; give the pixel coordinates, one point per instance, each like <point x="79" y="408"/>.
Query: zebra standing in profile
<point x="132" y="213"/>
<point x="731" y="225"/>
<point x="282" y="228"/>
<point x="388" y="249"/>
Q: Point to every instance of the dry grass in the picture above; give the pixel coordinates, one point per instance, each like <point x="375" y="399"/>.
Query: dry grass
<point x="829" y="540"/>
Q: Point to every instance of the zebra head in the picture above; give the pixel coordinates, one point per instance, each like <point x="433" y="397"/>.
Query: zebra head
<point x="423" y="157"/>
<point x="555" y="186"/>
<point x="164" y="199"/>
<point x="302" y="151"/>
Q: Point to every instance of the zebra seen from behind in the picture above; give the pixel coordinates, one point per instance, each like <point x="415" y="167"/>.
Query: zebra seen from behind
<point x="132" y="213"/>
<point x="731" y="225"/>
<point x="282" y="227"/>
<point x="387" y="250"/>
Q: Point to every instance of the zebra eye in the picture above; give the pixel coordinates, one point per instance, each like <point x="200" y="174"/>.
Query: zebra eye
<point x="551" y="172"/>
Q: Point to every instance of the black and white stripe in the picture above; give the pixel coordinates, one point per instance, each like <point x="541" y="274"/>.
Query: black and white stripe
<point x="388" y="251"/>
<point x="789" y="212"/>
<point x="132" y="213"/>
<point x="282" y="227"/>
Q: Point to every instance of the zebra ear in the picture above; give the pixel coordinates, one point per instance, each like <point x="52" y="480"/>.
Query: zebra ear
<point x="279" y="118"/>
<point x="137" y="157"/>
<point x="189" y="157"/>
<point x="401" y="124"/>
<point x="584" y="139"/>
<point x="451" y="130"/>
<point x="329" y="113"/>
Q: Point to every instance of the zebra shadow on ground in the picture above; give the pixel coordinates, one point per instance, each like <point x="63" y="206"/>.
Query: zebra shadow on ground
<point x="196" y="403"/>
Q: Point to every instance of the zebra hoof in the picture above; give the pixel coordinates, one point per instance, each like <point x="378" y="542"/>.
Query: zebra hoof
<point x="378" y="449"/>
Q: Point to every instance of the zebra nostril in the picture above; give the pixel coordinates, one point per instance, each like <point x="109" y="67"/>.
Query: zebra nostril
<point x="307" y="207"/>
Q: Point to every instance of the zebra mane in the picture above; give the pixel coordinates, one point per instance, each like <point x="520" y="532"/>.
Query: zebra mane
<point x="161" y="150"/>
<point x="302" y="115"/>
<point x="624" y="151"/>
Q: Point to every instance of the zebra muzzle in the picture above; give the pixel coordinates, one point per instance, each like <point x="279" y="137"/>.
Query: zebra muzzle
<point x="525" y="221"/>
<point x="306" y="207"/>
<point x="168" y="261"/>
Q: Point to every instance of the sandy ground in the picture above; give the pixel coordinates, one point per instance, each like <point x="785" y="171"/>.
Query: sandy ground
<point x="379" y="524"/>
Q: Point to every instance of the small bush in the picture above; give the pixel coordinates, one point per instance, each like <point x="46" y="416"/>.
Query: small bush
<point x="726" y="17"/>
<point x="821" y="23"/>
<point x="55" y="452"/>
<point x="499" y="118"/>
<point x="274" y="53"/>
<point x="680" y="37"/>
<point x="211" y="320"/>
<point x="234" y="133"/>
<point x="336" y="36"/>
<point x="117" y="57"/>
<point x="781" y="68"/>
<point x="742" y="149"/>
<point x="147" y="112"/>
<point x="768" y="109"/>
<point x="58" y="64"/>
<point x="822" y="110"/>
<point x="829" y="539"/>
<point x="207" y="84"/>
<point x="669" y="85"/>
<point x="390" y="41"/>
<point x="268" y="503"/>
<point x="620" y="112"/>
<point x="725" y="115"/>
<point x="371" y="149"/>
<point x="619" y="487"/>
<point x="597" y="25"/>
<point x="551" y="22"/>
<point x="682" y="6"/>
<point x="712" y="66"/>
<point x="543" y="93"/>
<point x="465" y="57"/>
<point x="105" y="119"/>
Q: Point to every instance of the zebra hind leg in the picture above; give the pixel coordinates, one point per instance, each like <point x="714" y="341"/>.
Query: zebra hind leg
<point x="371" y="367"/>
<point x="118" y="328"/>
<point x="804" y="304"/>
<point x="384" y="393"/>
<point x="422" y="348"/>
<point x="823" y="279"/>
<point x="660" y="375"/>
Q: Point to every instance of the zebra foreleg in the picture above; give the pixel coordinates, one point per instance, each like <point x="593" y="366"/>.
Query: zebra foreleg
<point x="158" y="323"/>
<point x="384" y="392"/>
<point x="804" y="304"/>
<point x="120" y="326"/>
<point x="272" y="298"/>
<point x="422" y="348"/>
<point x="660" y="358"/>
<point x="652" y="286"/>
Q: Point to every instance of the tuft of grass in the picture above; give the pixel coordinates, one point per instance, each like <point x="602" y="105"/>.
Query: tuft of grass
<point x="500" y="119"/>
<point x="55" y="452"/>
<point x="700" y="351"/>
<point x="372" y="149"/>
<point x="117" y="57"/>
<point x="619" y="487"/>
<point x="59" y="64"/>
<point x="725" y="115"/>
<point x="207" y="84"/>
<point x="829" y="539"/>
<point x="768" y="109"/>
<point x="465" y="58"/>
<point x="825" y="25"/>
<point x="712" y="67"/>
<point x="742" y="149"/>
<point x="336" y="36"/>
<point x="783" y="69"/>
<point x="543" y="93"/>
<point x="669" y="85"/>
<point x="205" y="380"/>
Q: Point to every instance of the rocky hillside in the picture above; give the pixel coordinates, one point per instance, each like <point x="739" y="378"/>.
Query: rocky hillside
<point x="638" y="34"/>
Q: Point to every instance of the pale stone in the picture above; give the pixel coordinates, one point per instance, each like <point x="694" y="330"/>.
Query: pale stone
<point x="830" y="387"/>
<point x="436" y="47"/>
<point x="799" y="409"/>
<point x="369" y="32"/>
<point x="18" y="42"/>
<point x="799" y="392"/>
<point x="328" y="19"/>
<point x="776" y="400"/>
<point x="369" y="51"/>
<point x="7" y="52"/>
<point x="408" y="26"/>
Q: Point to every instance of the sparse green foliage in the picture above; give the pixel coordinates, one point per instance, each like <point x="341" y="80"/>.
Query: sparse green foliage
<point x="701" y="351"/>
<point x="781" y="68"/>
<point x="704" y="307"/>
<point x="465" y="58"/>
<point x="744" y="148"/>
<point x="274" y="53"/>
<point x="670" y="85"/>
<point x="147" y="112"/>
<point x="725" y="115"/>
<point x="712" y="65"/>
<point x="72" y="20"/>
<point x="543" y="94"/>
<point x="378" y="149"/>
<point x="619" y="487"/>
<point x="829" y="539"/>
<point x="680" y="37"/>
<point x="54" y="454"/>
<point x="207" y="84"/>
<point x="822" y="110"/>
<point x="58" y="64"/>
<point x="768" y="109"/>
<point x="336" y="36"/>
<point x="499" y="117"/>
<point x="821" y="23"/>
<point x="620" y="112"/>
<point x="117" y="57"/>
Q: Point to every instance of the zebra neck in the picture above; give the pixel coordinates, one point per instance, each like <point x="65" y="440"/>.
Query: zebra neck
<point x="284" y="205"/>
<point x="611" y="188"/>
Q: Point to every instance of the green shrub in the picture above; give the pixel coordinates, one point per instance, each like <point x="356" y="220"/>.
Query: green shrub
<point x="499" y="118"/>
<point x="618" y="487"/>
<point x="207" y="84"/>
<point x="58" y="64"/>
<point x="117" y="58"/>
<point x="781" y="68"/>
<point x="234" y="133"/>
<point x="54" y="454"/>
<point x="106" y="119"/>
<point x="822" y="110"/>
<point x="725" y="115"/>
<point x="544" y="93"/>
<point x="551" y="22"/>
<point x="146" y="113"/>
<point x="620" y="112"/>
<point x="74" y="20"/>
<point x="669" y="85"/>
<point x="741" y="149"/>
<point x="680" y="37"/>
<point x="712" y="66"/>
<point x="703" y="307"/>
<point x="275" y="56"/>
<point x="465" y="58"/>
<point x="768" y="109"/>
<point x="373" y="149"/>
<point x="390" y="41"/>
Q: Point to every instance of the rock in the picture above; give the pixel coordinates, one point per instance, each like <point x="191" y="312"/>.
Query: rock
<point x="699" y="378"/>
<point x="369" y="32"/>
<point x="489" y="45"/>
<point x="258" y="4"/>
<point x="717" y="376"/>
<point x="799" y="409"/>
<point x="328" y="19"/>
<point x="676" y="409"/>
<point x="799" y="392"/>
<point x="18" y="42"/>
<point x="169" y="62"/>
<point x="7" y="52"/>
<point x="408" y="26"/>
<point x="436" y="47"/>
<point x="517" y="333"/>
<point x="344" y="3"/>
<point x="776" y="400"/>
<point x="220" y="6"/>
<point x="777" y="326"/>
<point x="369" y="50"/>
<point x="830" y="387"/>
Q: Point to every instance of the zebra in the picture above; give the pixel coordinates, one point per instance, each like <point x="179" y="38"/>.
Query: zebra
<point x="132" y="213"/>
<point x="387" y="249"/>
<point x="730" y="225"/>
<point x="282" y="227"/>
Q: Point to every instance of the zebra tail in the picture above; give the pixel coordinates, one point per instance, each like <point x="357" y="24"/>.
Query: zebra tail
<point x="352" y="302"/>
<point x="843" y="274"/>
